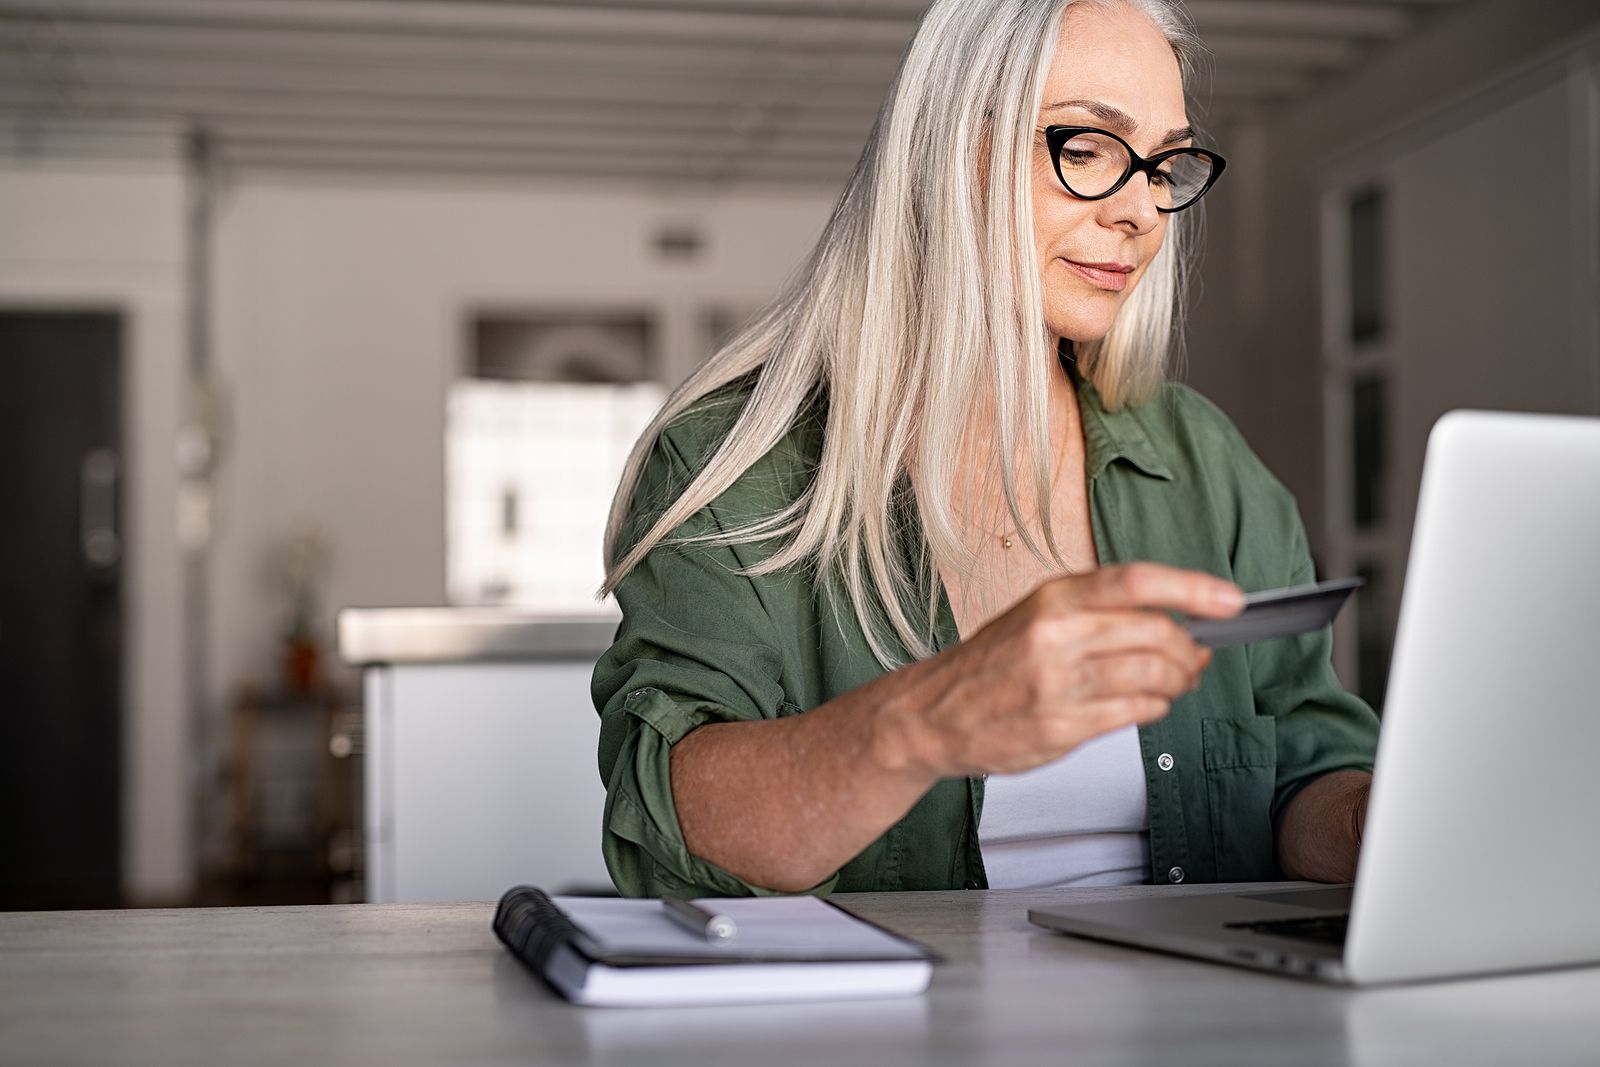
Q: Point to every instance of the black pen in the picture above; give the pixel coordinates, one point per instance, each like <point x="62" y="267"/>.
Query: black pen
<point x="692" y="917"/>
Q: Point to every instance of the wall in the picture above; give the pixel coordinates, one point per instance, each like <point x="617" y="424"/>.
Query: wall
<point x="102" y="236"/>
<point x="342" y="320"/>
<point x="1255" y="343"/>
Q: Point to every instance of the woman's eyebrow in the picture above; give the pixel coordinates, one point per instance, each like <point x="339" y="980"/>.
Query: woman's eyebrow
<point x="1120" y="122"/>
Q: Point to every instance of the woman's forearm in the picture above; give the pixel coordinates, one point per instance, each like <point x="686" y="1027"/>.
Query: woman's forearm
<point x="1319" y="836"/>
<point x="783" y="803"/>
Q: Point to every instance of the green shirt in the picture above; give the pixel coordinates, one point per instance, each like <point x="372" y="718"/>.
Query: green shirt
<point x="1171" y="481"/>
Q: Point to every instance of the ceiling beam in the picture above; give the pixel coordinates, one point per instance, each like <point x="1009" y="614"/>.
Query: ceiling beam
<point x="213" y="84"/>
<point x="466" y="127"/>
<point x="612" y="155"/>
<point x="473" y="18"/>
<point x="100" y="46"/>
<point x="404" y="161"/>
<point x="1302" y="17"/>
<point x="69" y="41"/>
<point x="189" y="108"/>
<point x="533" y="84"/>
<point x="1284" y="50"/>
<point x="637" y="142"/>
<point x="906" y="9"/>
<point x="709" y="90"/>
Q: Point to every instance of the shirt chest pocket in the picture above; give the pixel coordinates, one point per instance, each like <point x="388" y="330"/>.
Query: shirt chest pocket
<point x="1241" y="764"/>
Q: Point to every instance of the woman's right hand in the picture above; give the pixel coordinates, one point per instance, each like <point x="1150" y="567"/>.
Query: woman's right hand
<point x="1081" y="656"/>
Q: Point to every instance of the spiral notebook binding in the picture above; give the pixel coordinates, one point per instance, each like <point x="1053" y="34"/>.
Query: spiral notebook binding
<point x="531" y="925"/>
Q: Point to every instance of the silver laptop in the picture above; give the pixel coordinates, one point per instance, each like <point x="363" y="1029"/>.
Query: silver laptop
<point x="1482" y="843"/>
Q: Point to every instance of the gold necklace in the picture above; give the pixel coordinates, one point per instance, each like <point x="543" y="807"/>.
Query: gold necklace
<point x="1005" y="538"/>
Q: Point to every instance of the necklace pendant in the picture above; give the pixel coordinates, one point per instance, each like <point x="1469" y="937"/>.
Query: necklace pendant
<point x="1005" y="542"/>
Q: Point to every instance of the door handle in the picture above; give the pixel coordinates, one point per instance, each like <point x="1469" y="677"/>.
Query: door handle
<point x="97" y="521"/>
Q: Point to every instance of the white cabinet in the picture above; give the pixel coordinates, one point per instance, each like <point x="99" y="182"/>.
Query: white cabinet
<point x="481" y="752"/>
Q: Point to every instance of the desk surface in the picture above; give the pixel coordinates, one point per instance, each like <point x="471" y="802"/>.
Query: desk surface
<point x="428" y="984"/>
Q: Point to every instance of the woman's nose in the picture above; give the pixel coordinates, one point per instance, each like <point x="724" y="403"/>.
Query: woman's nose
<point x="1133" y="206"/>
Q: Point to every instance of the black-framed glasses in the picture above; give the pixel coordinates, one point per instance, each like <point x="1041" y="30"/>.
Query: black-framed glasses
<point x="1093" y="163"/>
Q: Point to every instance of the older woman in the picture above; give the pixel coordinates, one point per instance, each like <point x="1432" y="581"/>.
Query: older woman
<point x="897" y="564"/>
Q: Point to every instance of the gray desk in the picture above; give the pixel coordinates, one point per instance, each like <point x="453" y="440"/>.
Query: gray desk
<point x="427" y="984"/>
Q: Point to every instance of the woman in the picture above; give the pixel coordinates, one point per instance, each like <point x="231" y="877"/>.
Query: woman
<point x="880" y="625"/>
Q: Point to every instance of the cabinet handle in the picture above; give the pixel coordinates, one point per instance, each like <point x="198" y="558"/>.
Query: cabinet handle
<point x="97" y="523"/>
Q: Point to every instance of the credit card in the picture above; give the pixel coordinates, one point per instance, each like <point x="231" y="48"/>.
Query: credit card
<point x="1276" y="613"/>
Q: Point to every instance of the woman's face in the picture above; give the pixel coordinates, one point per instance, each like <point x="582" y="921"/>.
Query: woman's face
<point x="1112" y="70"/>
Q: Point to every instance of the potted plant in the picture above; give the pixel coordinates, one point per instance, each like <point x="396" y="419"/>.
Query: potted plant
<point x="299" y="567"/>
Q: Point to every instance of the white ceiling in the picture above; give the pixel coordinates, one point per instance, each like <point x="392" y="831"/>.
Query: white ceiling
<point x="674" y="92"/>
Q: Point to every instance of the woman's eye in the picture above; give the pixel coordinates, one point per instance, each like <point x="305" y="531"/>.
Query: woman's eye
<point x="1078" y="155"/>
<point x="1164" y="177"/>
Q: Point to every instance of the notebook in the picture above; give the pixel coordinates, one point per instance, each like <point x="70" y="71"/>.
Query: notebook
<point x="619" y="952"/>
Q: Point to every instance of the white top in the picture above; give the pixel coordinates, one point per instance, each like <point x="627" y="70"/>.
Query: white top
<point x="1081" y="820"/>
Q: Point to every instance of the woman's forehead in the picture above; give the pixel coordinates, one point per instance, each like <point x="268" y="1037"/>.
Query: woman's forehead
<point x="1115" y="56"/>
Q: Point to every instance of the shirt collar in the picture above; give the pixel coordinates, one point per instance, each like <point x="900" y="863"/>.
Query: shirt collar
<point x="1111" y="435"/>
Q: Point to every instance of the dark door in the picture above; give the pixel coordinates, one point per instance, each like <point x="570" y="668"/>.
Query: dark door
<point x="61" y="508"/>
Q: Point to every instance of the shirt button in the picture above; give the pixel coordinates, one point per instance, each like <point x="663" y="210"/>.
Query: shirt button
<point x="1164" y="761"/>
<point x="1175" y="875"/>
<point x="973" y="884"/>
<point x="636" y="694"/>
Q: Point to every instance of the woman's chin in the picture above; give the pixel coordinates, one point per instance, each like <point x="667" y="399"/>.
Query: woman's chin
<point x="1081" y="333"/>
<point x="1088" y="320"/>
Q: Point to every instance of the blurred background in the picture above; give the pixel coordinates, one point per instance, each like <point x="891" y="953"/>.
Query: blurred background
<point x="308" y="305"/>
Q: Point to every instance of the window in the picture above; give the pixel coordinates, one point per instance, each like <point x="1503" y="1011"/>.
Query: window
<point x="1369" y="409"/>
<point x="1366" y="234"/>
<point x="535" y="444"/>
<point x="1360" y="398"/>
<point x="1375" y="637"/>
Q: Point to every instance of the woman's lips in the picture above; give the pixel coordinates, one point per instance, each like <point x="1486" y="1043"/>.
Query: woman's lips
<point x="1109" y="276"/>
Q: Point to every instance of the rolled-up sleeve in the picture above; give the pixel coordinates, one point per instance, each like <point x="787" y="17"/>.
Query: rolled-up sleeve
<point x="695" y="646"/>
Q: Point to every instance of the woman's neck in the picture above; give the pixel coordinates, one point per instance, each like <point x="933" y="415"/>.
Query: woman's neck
<point x="978" y="491"/>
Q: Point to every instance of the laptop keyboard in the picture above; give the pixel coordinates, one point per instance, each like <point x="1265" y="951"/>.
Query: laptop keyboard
<point x="1324" y="929"/>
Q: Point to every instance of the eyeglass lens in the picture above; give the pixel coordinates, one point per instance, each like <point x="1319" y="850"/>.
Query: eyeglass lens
<point x="1091" y="163"/>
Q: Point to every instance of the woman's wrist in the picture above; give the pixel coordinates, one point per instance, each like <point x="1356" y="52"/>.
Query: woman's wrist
<point x="897" y="741"/>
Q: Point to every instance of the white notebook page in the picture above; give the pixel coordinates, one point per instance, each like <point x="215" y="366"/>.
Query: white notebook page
<point x="792" y="927"/>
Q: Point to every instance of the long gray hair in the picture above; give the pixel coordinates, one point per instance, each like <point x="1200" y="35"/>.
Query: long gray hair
<point x="920" y="310"/>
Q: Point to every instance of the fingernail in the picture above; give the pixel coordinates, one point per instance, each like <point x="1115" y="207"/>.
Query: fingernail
<point x="1230" y="596"/>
